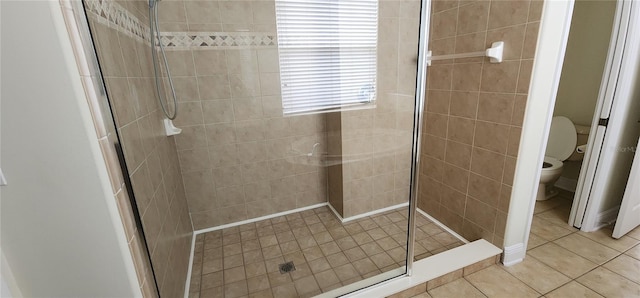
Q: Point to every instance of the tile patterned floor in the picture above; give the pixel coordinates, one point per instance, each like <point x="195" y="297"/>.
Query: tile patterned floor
<point x="561" y="262"/>
<point x="244" y="260"/>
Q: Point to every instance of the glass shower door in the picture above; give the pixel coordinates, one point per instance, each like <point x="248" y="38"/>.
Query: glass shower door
<point x="295" y="157"/>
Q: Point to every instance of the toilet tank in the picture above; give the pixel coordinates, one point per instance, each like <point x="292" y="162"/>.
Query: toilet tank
<point x="583" y="138"/>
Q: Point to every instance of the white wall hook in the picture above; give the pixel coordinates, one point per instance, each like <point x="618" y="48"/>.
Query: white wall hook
<point x="495" y="52"/>
<point x="170" y="129"/>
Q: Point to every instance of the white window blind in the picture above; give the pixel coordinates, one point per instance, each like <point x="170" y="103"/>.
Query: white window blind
<point x="327" y="51"/>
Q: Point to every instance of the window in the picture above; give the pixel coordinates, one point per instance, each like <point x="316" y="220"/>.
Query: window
<point x="328" y="56"/>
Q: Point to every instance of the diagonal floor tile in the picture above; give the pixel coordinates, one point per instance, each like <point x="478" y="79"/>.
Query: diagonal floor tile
<point x="423" y="295"/>
<point x="562" y="260"/>
<point x="458" y="288"/>
<point x="587" y="248"/>
<point x="603" y="236"/>
<point x="557" y="216"/>
<point x="634" y="252"/>
<point x="537" y="275"/>
<point x="625" y="266"/>
<point x="542" y="206"/>
<point x="548" y="230"/>
<point x="609" y="284"/>
<point x="535" y="241"/>
<point x="573" y="290"/>
<point x="635" y="233"/>
<point x="495" y="282"/>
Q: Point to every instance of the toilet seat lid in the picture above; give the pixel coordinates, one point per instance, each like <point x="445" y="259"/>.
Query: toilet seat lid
<point x="562" y="138"/>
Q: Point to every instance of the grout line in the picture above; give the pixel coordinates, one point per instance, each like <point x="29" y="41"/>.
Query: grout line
<point x="593" y="289"/>
<point x="473" y="285"/>
<point x="549" y="267"/>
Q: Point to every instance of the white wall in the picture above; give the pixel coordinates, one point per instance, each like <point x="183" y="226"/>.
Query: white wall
<point x="554" y="31"/>
<point x="623" y="129"/>
<point x="587" y="49"/>
<point x="61" y="233"/>
<point x="9" y="287"/>
<point x="584" y="61"/>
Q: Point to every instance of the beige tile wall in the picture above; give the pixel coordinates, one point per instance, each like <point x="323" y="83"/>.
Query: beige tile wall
<point x="376" y="143"/>
<point x="335" y="181"/>
<point x="239" y="157"/>
<point x="474" y="113"/>
<point x="151" y="157"/>
<point x="217" y="16"/>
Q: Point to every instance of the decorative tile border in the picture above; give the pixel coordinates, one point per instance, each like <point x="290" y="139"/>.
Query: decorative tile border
<point x="112" y="14"/>
<point x="223" y="40"/>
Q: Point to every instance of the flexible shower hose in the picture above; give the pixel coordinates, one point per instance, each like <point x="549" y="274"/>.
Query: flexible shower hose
<point x="155" y="35"/>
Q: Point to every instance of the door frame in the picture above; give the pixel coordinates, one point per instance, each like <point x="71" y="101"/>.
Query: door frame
<point x="626" y="220"/>
<point x="584" y="213"/>
<point x="545" y="77"/>
<point x="547" y="68"/>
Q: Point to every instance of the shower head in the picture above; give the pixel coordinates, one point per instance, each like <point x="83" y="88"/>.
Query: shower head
<point x="153" y="2"/>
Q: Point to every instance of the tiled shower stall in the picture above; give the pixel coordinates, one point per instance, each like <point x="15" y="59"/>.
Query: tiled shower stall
<point x="151" y="158"/>
<point x="238" y="158"/>
<point x="241" y="158"/>
<point x="474" y="113"/>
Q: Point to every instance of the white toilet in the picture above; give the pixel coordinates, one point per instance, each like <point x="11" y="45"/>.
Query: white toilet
<point x="561" y="144"/>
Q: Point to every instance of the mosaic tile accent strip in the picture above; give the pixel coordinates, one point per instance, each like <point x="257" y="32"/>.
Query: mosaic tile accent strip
<point x="116" y="16"/>
<point x="113" y="14"/>
<point x="217" y="39"/>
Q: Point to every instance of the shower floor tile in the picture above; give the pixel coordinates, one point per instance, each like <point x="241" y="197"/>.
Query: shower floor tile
<point x="307" y="253"/>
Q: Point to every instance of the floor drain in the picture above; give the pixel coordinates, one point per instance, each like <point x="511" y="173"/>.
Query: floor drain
<point x="287" y="267"/>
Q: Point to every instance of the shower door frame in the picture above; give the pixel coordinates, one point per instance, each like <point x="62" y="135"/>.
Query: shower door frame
<point x="418" y="119"/>
<point x="549" y="57"/>
<point x="445" y="262"/>
<point x="89" y="54"/>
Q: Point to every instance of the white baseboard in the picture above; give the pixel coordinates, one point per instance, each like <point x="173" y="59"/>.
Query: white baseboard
<point x="513" y="254"/>
<point x="239" y="223"/>
<point x="605" y="218"/>
<point x="370" y="213"/>
<point x="442" y="226"/>
<point x="567" y="184"/>
<point x="335" y="212"/>
<point x="190" y="269"/>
